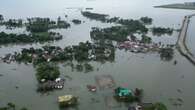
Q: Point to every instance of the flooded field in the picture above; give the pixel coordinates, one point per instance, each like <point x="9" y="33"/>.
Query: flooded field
<point x="162" y="81"/>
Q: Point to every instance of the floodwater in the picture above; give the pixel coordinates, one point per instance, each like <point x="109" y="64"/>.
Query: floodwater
<point x="161" y="81"/>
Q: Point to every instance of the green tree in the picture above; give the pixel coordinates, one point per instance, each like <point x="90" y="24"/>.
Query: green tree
<point x="48" y="71"/>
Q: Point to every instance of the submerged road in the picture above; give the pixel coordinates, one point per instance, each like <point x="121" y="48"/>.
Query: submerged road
<point x="181" y="43"/>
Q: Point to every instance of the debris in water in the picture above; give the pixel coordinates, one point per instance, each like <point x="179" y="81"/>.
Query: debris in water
<point x="92" y="88"/>
<point x="179" y="90"/>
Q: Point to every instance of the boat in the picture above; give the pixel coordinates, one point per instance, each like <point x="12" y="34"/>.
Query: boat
<point x="67" y="100"/>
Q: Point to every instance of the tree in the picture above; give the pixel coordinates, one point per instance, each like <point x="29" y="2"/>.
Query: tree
<point x="48" y="71"/>
<point x="146" y="20"/>
<point x="160" y="106"/>
<point x="166" y="53"/>
<point x="146" y="39"/>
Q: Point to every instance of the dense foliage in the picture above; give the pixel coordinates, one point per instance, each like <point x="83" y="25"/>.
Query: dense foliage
<point x="146" y="39"/>
<point x="82" y="52"/>
<point x="11" y="106"/>
<point x="161" y="30"/>
<point x="39" y="24"/>
<point x="62" y="23"/>
<point x="146" y="20"/>
<point x="13" y="23"/>
<point x="130" y="24"/>
<point x="47" y="71"/>
<point x="115" y="33"/>
<point x="44" y="24"/>
<point x="24" y="38"/>
<point x="76" y="21"/>
<point x="166" y="53"/>
<point x="95" y="16"/>
<point x="156" y="106"/>
<point x="118" y="33"/>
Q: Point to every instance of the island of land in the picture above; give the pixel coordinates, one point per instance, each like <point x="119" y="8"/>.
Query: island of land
<point x="187" y="5"/>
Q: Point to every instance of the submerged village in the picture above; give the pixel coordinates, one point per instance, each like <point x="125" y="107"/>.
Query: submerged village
<point x="129" y="35"/>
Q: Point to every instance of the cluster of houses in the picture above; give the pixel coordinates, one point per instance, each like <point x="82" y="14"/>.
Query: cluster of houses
<point x="138" y="47"/>
<point x="8" y="58"/>
<point x="58" y="83"/>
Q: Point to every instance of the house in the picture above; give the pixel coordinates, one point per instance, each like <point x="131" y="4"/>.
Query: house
<point x="123" y="92"/>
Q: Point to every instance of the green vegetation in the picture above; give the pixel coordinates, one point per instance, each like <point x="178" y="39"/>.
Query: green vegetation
<point x="125" y="28"/>
<point x="79" y="67"/>
<point x="44" y="24"/>
<point x="76" y="21"/>
<point x="47" y="71"/>
<point x="99" y="17"/>
<point x="24" y="38"/>
<point x="45" y="57"/>
<point x="11" y="106"/>
<point x="95" y="16"/>
<point x="39" y="24"/>
<point x="62" y="23"/>
<point x="11" y="23"/>
<point x="161" y="30"/>
<point x="166" y="53"/>
<point x="116" y="33"/>
<point x="133" y="26"/>
<point x="81" y="53"/>
<point x="146" y="20"/>
<point x="145" y="39"/>
<point x="156" y="106"/>
<point x="88" y="67"/>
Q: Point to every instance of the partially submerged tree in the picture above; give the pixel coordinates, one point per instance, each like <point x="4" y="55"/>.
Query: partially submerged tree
<point x="145" y="39"/>
<point x="146" y="20"/>
<point x="166" y="53"/>
<point x="47" y="71"/>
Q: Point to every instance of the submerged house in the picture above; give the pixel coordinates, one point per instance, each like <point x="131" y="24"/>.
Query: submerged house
<point x="127" y="95"/>
<point x="123" y="92"/>
<point x="50" y="85"/>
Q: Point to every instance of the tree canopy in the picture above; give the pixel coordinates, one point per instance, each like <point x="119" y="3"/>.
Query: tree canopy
<point x="47" y="71"/>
